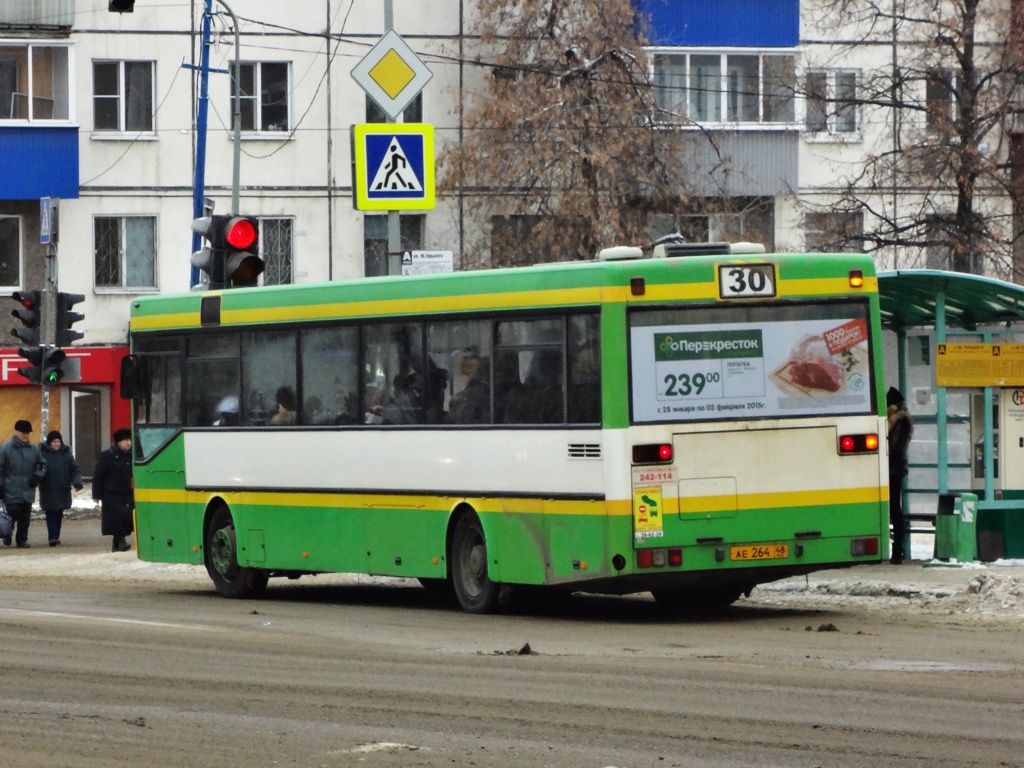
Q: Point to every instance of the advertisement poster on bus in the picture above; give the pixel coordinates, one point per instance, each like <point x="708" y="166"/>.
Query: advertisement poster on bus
<point x="737" y="370"/>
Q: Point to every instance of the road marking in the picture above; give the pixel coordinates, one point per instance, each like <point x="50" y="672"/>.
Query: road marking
<point x="140" y="622"/>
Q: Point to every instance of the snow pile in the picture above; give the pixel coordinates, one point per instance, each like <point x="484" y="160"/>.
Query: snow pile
<point x="984" y="594"/>
<point x="989" y="593"/>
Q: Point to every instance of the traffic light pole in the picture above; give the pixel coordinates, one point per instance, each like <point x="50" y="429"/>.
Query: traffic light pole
<point x="199" y="180"/>
<point x="394" y="218"/>
<point x="48" y="324"/>
<point x="202" y="112"/>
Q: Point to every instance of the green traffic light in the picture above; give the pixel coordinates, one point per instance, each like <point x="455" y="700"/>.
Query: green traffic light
<point x="53" y="377"/>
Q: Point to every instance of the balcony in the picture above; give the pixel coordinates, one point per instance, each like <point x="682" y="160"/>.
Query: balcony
<point x="38" y="135"/>
<point x="37" y="14"/>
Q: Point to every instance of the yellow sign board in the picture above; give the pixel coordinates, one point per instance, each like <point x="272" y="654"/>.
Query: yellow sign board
<point x="979" y="365"/>
<point x="393" y="167"/>
<point x="392" y="74"/>
<point x="647" y="513"/>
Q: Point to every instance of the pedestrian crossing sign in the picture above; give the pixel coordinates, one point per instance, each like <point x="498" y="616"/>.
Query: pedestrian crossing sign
<point x="393" y="167"/>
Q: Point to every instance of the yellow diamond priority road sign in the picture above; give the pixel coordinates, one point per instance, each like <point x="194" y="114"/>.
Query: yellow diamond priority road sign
<point x="391" y="74"/>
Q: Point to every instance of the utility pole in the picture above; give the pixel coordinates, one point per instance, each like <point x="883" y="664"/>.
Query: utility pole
<point x="199" y="180"/>
<point x="202" y="112"/>
<point x="394" y="219"/>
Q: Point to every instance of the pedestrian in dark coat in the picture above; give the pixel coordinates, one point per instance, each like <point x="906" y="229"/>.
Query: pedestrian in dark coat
<point x="112" y="488"/>
<point x="62" y="472"/>
<point x="21" y="468"/>
<point x="901" y="429"/>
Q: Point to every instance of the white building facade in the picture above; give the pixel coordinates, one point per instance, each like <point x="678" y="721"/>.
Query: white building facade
<point x="99" y="109"/>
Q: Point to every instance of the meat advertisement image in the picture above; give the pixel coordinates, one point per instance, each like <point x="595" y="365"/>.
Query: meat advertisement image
<point x="828" y="363"/>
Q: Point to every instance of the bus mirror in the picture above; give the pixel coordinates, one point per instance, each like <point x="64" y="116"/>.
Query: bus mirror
<point x="129" y="376"/>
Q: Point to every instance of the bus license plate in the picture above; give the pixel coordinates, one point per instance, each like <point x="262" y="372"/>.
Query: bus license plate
<point x="760" y="552"/>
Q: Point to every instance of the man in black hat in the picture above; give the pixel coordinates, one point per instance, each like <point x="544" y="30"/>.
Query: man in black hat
<point x="901" y="428"/>
<point x="21" y="466"/>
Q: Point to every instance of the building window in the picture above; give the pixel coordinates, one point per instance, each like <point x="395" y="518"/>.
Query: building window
<point x="834" y="232"/>
<point x="375" y="243"/>
<point x="831" y="102"/>
<point x="125" y="248"/>
<point x="413" y="113"/>
<point x="34" y="82"/>
<point x="264" y="96"/>
<point x="941" y="95"/>
<point x="276" y="250"/>
<point x="10" y="252"/>
<point x="748" y="88"/>
<point x="122" y="96"/>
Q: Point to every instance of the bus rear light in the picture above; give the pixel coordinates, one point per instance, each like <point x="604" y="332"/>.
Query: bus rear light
<point x="656" y="453"/>
<point x="867" y="545"/>
<point x="856" y="278"/>
<point x="858" y="443"/>
<point x="659" y="558"/>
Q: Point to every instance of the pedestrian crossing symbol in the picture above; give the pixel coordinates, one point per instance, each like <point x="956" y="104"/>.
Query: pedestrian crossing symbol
<point x="394" y="173"/>
<point x="394" y="166"/>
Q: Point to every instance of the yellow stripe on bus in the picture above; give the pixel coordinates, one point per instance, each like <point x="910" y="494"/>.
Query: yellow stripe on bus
<point x="490" y="301"/>
<point x="498" y="504"/>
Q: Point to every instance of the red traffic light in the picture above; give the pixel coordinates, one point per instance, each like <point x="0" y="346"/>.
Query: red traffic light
<point x="28" y="299"/>
<point x="241" y="233"/>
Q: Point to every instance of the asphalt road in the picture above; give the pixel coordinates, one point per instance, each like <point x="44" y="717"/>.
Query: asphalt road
<point x="109" y="661"/>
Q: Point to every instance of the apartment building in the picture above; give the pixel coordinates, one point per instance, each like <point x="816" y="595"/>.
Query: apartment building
<point x="99" y="109"/>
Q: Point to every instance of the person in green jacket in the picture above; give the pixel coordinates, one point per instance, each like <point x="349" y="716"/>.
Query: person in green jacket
<point x="21" y="468"/>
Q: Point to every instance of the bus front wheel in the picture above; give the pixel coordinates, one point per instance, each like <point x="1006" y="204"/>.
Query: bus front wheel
<point x="221" y="555"/>
<point x="473" y="587"/>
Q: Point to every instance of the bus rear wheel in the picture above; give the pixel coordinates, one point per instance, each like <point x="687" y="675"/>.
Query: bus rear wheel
<point x="473" y="587"/>
<point x="221" y="556"/>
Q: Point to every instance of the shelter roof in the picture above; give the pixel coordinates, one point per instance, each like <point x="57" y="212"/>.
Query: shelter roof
<point x="909" y="298"/>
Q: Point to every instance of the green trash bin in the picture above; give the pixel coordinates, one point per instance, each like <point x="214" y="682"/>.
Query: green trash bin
<point x="965" y="544"/>
<point x="946" y="527"/>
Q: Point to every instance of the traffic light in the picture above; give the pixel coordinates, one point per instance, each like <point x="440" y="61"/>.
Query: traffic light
<point x="210" y="258"/>
<point x="46" y="364"/>
<point x="66" y="318"/>
<point x="34" y="371"/>
<point x="231" y="257"/>
<point x="242" y="264"/>
<point x="29" y="316"/>
<point x="121" y="6"/>
<point x="52" y="365"/>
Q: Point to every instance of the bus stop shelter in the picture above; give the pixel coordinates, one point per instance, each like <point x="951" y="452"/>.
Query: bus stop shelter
<point x="957" y="307"/>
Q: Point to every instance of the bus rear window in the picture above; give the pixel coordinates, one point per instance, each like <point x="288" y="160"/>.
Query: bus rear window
<point x="750" y="362"/>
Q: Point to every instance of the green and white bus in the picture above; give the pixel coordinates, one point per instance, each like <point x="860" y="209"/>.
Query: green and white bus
<point x="689" y="425"/>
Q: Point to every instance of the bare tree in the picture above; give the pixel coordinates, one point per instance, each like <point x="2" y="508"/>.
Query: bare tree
<point x="563" y="152"/>
<point x="939" y="172"/>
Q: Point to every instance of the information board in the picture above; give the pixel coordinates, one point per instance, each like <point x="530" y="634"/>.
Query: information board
<point x="979" y="365"/>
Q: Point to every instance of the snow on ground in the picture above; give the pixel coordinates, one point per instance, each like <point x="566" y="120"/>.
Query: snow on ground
<point x="924" y="585"/>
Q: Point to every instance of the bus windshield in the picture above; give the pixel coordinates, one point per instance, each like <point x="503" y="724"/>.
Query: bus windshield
<point x="750" y="361"/>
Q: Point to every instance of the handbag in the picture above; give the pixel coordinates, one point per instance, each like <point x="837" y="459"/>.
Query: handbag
<point x="6" y="524"/>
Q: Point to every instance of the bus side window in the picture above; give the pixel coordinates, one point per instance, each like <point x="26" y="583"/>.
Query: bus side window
<point x="507" y="385"/>
<point x="212" y="376"/>
<point x="330" y="376"/>
<point x="458" y="355"/>
<point x="584" y="369"/>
